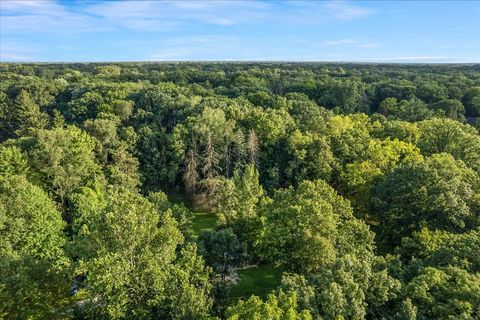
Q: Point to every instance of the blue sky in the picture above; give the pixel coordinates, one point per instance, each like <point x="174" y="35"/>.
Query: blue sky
<point x="367" y="31"/>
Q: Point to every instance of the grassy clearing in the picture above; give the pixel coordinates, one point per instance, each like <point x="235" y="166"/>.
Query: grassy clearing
<point x="203" y="221"/>
<point x="258" y="280"/>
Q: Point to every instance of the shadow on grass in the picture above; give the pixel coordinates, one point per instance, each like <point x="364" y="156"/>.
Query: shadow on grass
<point x="258" y="280"/>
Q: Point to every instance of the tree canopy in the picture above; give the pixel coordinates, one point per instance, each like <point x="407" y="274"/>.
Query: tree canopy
<point x="239" y="191"/>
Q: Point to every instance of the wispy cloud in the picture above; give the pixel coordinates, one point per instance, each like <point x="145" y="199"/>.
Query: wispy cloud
<point x="350" y="42"/>
<point x="191" y="47"/>
<point x="51" y="16"/>
<point x="116" y="30"/>
<point x="317" y="12"/>
<point x="345" y="11"/>
<point x="43" y="16"/>
<point x="148" y="15"/>
<point x="40" y="19"/>
<point x="161" y="15"/>
<point x="18" y="50"/>
<point x="339" y="42"/>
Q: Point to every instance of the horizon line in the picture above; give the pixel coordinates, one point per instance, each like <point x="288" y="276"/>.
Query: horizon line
<point x="242" y="61"/>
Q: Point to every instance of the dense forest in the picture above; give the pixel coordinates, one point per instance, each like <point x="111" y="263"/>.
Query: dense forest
<point x="239" y="191"/>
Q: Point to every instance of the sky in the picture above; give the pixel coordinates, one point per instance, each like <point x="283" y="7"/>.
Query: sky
<point x="347" y="31"/>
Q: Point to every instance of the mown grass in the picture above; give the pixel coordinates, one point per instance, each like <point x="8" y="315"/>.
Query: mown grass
<point x="203" y="221"/>
<point x="259" y="280"/>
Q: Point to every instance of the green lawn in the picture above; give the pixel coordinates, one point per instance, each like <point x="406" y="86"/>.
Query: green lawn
<point x="203" y="221"/>
<point x="259" y="280"/>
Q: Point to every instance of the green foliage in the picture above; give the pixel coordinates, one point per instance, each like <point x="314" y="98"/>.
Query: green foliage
<point x="311" y="156"/>
<point x="21" y="117"/>
<point x="440" y="192"/>
<point x="31" y="225"/>
<point x="108" y="70"/>
<point x="441" y="249"/>
<point x="345" y="94"/>
<point x="188" y="287"/>
<point x="235" y="201"/>
<point x="120" y="167"/>
<point x="31" y="252"/>
<point x="306" y="228"/>
<point x="451" y="293"/>
<point x="269" y="124"/>
<point x="182" y="215"/>
<point x="26" y="115"/>
<point x="352" y="288"/>
<point x="431" y="92"/>
<point x="63" y="159"/>
<point x="401" y="130"/>
<point x="221" y="249"/>
<point x="444" y="135"/>
<point x="12" y="161"/>
<point x="361" y="176"/>
<point x="240" y="207"/>
<point x="33" y="288"/>
<point x="283" y="306"/>
<point x="471" y="101"/>
<point x="407" y="110"/>
<point x="128" y="257"/>
<point x="159" y="162"/>
<point x="451" y="108"/>
<point x="274" y="174"/>
<point x="349" y="137"/>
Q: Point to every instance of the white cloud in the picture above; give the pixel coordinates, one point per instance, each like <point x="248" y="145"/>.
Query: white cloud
<point x="161" y="15"/>
<point x="339" y="42"/>
<point x="148" y="15"/>
<point x="320" y="12"/>
<point x="40" y="21"/>
<point x="43" y="16"/>
<point x="342" y="10"/>
<point x="350" y="42"/>
<point x="38" y="6"/>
